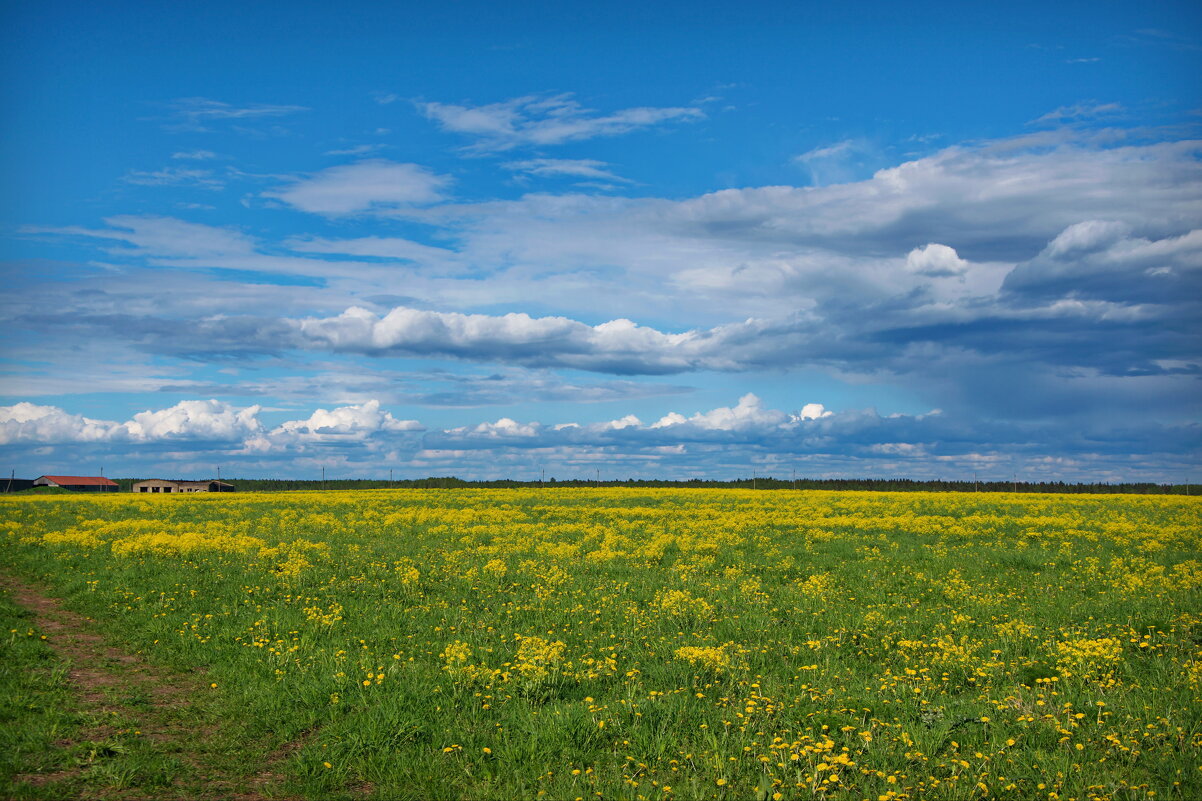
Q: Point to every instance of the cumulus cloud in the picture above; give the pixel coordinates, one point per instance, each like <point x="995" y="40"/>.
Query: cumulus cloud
<point x="936" y="261"/>
<point x="44" y="425"/>
<point x="618" y="346"/>
<point x="353" y="425"/>
<point x="629" y="421"/>
<point x="504" y="428"/>
<point x="199" y="420"/>
<point x="749" y="413"/>
<point x="1056" y="241"/>
<point x="540" y="121"/>
<point x="813" y="411"/>
<point x="187" y="420"/>
<point x="748" y="436"/>
<point x="371" y="185"/>
<point x="1086" y="237"/>
<point x="1098" y="261"/>
<point x="353" y="421"/>
<point x="749" y="421"/>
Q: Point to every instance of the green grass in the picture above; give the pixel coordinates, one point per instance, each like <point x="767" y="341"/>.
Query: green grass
<point x="36" y="707"/>
<point x="939" y="642"/>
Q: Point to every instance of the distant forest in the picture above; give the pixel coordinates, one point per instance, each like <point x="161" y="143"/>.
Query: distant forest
<point x="760" y="483"/>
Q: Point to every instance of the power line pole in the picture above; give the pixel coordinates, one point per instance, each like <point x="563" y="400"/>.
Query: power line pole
<point x="390" y="478"/>
<point x="542" y="474"/>
<point x="794" y="478"/>
<point x="323" y="477"/>
<point x="974" y="482"/>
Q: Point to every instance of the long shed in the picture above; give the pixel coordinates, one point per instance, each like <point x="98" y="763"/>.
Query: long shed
<point x="166" y="486"/>
<point x="78" y="483"/>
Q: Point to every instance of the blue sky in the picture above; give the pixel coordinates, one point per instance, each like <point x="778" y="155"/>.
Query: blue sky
<point x="673" y="239"/>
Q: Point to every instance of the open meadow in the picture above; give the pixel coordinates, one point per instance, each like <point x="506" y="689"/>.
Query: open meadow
<point x="610" y="643"/>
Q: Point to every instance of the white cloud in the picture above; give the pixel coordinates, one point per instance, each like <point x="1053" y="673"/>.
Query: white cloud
<point x="372" y="185"/>
<point x="505" y="428"/>
<point x="748" y="421"/>
<point x="829" y="151"/>
<point x="629" y="421"/>
<point x="838" y="163"/>
<point x="1087" y="236"/>
<point x="199" y="420"/>
<point x="618" y="345"/>
<point x="194" y="113"/>
<point x="1100" y="268"/>
<point x="1081" y="111"/>
<point x="31" y="423"/>
<point x="814" y="411"/>
<point x="194" y="155"/>
<point x="167" y="236"/>
<point x="1096" y="243"/>
<point x="357" y="420"/>
<point x="936" y="261"/>
<point x="346" y="425"/>
<point x="357" y="150"/>
<point x="188" y="420"/>
<point x="359" y="440"/>
<point x="541" y="121"/>
<point x="175" y="176"/>
<point x="749" y="413"/>
<point x="574" y="168"/>
<point x="376" y="246"/>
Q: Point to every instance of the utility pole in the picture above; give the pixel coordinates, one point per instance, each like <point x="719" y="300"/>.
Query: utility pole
<point x="323" y="477"/>
<point x="390" y="478"/>
<point x="974" y="482"/>
<point x="13" y="475"/>
<point x="753" y="479"/>
<point x="218" y="472"/>
<point x="795" y="478"/>
<point x="598" y="483"/>
<point x="542" y="474"/>
<point x="1015" y="482"/>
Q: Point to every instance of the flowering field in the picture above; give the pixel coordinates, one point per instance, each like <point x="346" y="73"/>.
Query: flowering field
<point x="661" y="643"/>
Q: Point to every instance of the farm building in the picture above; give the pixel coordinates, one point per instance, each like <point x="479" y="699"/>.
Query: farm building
<point x="77" y="483"/>
<point x="163" y="485"/>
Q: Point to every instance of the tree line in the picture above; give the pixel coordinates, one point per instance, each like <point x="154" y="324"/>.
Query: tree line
<point x="756" y="483"/>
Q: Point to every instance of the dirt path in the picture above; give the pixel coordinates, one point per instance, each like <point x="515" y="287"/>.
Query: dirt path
<point x="119" y="693"/>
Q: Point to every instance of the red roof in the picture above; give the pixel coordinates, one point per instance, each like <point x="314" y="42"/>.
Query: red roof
<point x="82" y="481"/>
